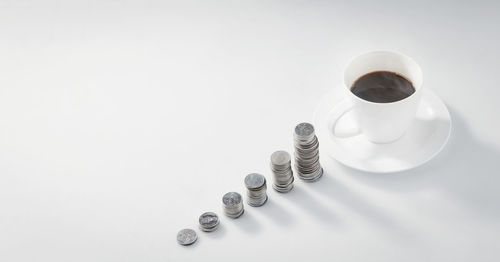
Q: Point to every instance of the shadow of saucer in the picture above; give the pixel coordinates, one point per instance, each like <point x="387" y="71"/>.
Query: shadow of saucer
<point x="466" y="170"/>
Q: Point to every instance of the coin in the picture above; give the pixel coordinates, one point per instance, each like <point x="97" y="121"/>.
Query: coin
<point x="186" y="237"/>
<point x="256" y="189"/>
<point x="280" y="158"/>
<point x="306" y="146"/>
<point x="208" y="221"/>
<point x="304" y="131"/>
<point x="232" y="204"/>
<point x="254" y="181"/>
<point x="282" y="171"/>
<point x="231" y="199"/>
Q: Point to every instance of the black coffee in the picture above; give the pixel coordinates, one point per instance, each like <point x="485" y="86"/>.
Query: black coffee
<point x="382" y="87"/>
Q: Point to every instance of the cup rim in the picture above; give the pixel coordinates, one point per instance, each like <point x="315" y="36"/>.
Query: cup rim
<point x="417" y="90"/>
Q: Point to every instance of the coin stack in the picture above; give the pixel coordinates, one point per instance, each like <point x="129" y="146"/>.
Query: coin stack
<point x="233" y="204"/>
<point x="256" y="189"/>
<point x="282" y="169"/>
<point x="307" y="153"/>
<point x="209" y="221"/>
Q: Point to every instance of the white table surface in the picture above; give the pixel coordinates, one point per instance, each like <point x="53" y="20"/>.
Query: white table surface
<point x="122" y="121"/>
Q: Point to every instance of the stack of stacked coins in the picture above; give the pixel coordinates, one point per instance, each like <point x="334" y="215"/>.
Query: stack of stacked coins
<point x="209" y="221"/>
<point x="233" y="205"/>
<point x="282" y="169"/>
<point x="307" y="153"/>
<point x="256" y="189"/>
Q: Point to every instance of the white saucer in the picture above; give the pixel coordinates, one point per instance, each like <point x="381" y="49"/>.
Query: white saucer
<point x="424" y="139"/>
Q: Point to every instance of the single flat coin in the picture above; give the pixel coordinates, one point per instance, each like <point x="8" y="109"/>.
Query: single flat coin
<point x="186" y="237"/>
<point x="208" y="220"/>
<point x="231" y="199"/>
<point x="254" y="181"/>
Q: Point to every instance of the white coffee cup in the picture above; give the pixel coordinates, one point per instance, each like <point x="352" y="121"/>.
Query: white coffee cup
<point x="381" y="122"/>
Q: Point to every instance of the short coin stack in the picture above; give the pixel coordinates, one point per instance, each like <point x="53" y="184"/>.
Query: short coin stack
<point x="256" y="189"/>
<point x="307" y="153"/>
<point x="209" y="221"/>
<point x="282" y="169"/>
<point x="233" y="205"/>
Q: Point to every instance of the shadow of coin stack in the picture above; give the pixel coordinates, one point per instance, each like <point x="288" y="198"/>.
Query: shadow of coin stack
<point x="282" y="170"/>
<point x="307" y="153"/>
<point x="256" y="189"/>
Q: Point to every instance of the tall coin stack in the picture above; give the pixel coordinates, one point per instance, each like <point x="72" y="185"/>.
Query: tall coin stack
<point x="307" y="153"/>
<point x="282" y="169"/>
<point x="256" y="189"/>
<point x="233" y="204"/>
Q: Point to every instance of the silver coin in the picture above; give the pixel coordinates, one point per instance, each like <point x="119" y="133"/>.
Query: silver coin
<point x="232" y="205"/>
<point x="312" y="177"/>
<point x="282" y="171"/>
<point x="256" y="196"/>
<point x="285" y="189"/>
<point x="306" y="149"/>
<point x="283" y="177"/>
<point x="209" y="229"/>
<point x="258" y="203"/>
<point x="256" y="189"/>
<point x="208" y="221"/>
<point x="235" y="214"/>
<point x="281" y="168"/>
<point x="304" y="166"/>
<point x="280" y="158"/>
<point x="284" y="183"/>
<point x="305" y="140"/>
<point x="254" y="181"/>
<point x="186" y="237"/>
<point x="309" y="159"/>
<point x="304" y="130"/>
<point x="307" y="162"/>
<point x="231" y="199"/>
<point x="285" y="180"/>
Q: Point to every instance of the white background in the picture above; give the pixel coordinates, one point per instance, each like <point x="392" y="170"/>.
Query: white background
<point x="122" y="121"/>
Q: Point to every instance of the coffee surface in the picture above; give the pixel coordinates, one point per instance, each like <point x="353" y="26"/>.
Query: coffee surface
<point x="382" y="87"/>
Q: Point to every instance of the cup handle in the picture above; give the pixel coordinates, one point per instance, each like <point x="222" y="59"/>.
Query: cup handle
<point x="344" y="126"/>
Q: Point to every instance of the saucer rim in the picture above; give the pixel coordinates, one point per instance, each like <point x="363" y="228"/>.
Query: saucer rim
<point x="317" y="122"/>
